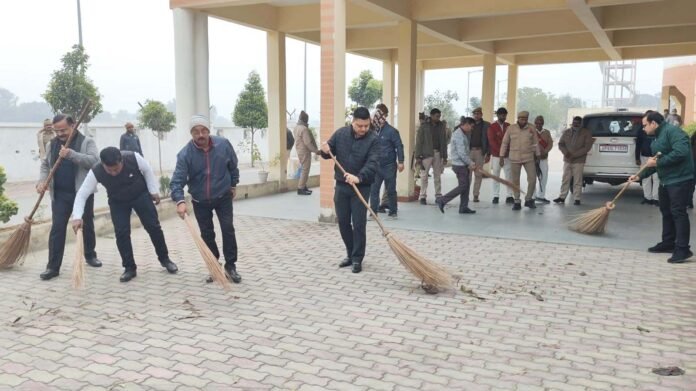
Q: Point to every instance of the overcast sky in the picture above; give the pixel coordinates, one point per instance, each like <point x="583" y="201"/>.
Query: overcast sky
<point x="131" y="48"/>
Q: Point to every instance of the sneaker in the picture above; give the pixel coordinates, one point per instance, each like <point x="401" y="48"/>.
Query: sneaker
<point x="543" y="200"/>
<point x="392" y="215"/>
<point x="661" y="248"/>
<point x="577" y="202"/>
<point x="509" y="200"/>
<point x="680" y="256"/>
<point x="423" y="202"/>
<point x="517" y="206"/>
<point x="559" y="200"/>
<point x="530" y="204"/>
<point x="440" y="205"/>
<point x="496" y="200"/>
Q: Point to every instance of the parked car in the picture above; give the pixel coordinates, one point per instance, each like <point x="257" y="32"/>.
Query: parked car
<point x="612" y="157"/>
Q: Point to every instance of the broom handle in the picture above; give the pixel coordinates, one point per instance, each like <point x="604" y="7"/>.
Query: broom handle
<point x="83" y="114"/>
<point x="355" y="188"/>
<point x="625" y="186"/>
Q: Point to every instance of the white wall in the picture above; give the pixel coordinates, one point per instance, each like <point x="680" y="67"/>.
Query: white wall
<point x="19" y="153"/>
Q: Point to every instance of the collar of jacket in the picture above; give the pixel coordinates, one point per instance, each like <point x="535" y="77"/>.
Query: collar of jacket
<point x="211" y="144"/>
<point x="355" y="135"/>
<point x="300" y="122"/>
<point x="659" y="129"/>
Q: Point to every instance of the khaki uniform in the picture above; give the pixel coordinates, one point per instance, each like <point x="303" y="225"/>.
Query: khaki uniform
<point x="575" y="145"/>
<point x="520" y="146"/>
<point x="305" y="145"/>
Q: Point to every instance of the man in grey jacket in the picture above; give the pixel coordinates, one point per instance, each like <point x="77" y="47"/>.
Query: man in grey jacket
<point x="78" y="159"/>
<point x="462" y="165"/>
<point x="431" y="151"/>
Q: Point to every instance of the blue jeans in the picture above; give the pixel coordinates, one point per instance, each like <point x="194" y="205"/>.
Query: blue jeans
<point x="387" y="174"/>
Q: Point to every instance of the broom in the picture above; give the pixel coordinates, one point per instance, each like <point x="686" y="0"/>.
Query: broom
<point x="433" y="276"/>
<point x="498" y="179"/>
<point x="595" y="221"/>
<point x="16" y="247"/>
<point x="216" y="271"/>
<point x="78" y="272"/>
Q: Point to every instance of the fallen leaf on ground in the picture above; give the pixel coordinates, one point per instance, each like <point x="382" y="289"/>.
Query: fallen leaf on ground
<point x="668" y="371"/>
<point x="537" y="295"/>
<point x="642" y="329"/>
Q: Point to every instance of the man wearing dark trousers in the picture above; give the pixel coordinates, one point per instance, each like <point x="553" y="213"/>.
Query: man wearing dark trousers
<point x="130" y="140"/>
<point x="208" y="166"/>
<point x="675" y="168"/>
<point x="130" y="185"/>
<point x="391" y="159"/>
<point x="78" y="158"/>
<point x="357" y="150"/>
<point x="462" y="165"/>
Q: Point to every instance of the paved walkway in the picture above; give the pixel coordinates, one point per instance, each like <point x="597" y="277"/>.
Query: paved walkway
<point x="539" y="317"/>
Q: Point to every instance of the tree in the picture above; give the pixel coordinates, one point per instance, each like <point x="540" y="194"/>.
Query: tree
<point x="443" y="101"/>
<point x="251" y="111"/>
<point x="8" y="208"/>
<point x="365" y="90"/>
<point x="70" y="87"/>
<point x="474" y="102"/>
<point x="154" y="115"/>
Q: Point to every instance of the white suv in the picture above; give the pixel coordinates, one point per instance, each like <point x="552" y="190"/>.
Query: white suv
<point x="612" y="158"/>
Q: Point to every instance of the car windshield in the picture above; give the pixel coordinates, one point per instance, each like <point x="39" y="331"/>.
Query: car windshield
<point x="614" y="126"/>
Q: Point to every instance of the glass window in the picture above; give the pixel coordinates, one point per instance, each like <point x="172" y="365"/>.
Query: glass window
<point x="614" y="126"/>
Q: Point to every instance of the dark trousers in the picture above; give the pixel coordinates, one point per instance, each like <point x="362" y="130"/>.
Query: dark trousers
<point x="204" y="216"/>
<point x="462" y="189"/>
<point x="352" y="219"/>
<point x="147" y="213"/>
<point x="386" y="174"/>
<point x="675" y="221"/>
<point x="61" y="209"/>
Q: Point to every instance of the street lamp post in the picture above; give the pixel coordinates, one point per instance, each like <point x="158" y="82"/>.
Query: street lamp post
<point x="468" y="77"/>
<point x="79" y="21"/>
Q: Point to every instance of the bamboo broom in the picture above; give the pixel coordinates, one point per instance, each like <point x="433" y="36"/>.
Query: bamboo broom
<point x="16" y="247"/>
<point x="433" y="277"/>
<point x="595" y="221"/>
<point x="499" y="180"/>
<point x="216" y="271"/>
<point x="78" y="272"/>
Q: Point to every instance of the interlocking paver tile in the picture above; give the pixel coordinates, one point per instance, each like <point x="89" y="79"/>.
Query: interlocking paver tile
<point x="298" y="322"/>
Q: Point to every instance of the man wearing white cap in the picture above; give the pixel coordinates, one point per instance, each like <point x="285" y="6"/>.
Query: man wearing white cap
<point x="208" y="166"/>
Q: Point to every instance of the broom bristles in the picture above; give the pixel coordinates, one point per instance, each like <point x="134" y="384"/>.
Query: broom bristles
<point x="430" y="273"/>
<point x="214" y="268"/>
<point x="16" y="247"/>
<point x="78" y="272"/>
<point x="591" y="222"/>
<point x="500" y="180"/>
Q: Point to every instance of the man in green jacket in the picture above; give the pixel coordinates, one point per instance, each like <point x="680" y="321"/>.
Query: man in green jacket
<point x="675" y="168"/>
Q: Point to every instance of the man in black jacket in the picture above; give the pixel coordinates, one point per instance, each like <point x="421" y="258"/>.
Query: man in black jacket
<point x="208" y="166"/>
<point x="391" y="159"/>
<point x="130" y="185"/>
<point x="357" y="149"/>
<point x="130" y="140"/>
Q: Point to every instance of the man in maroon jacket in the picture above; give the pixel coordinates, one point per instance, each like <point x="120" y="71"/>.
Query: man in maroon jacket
<point x="496" y="131"/>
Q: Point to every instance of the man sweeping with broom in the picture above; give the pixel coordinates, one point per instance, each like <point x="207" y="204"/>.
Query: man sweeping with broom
<point x="78" y="159"/>
<point x="675" y="169"/>
<point x="356" y="149"/>
<point x="130" y="185"/>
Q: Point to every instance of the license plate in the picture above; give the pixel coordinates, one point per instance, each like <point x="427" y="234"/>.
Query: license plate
<point x="620" y="148"/>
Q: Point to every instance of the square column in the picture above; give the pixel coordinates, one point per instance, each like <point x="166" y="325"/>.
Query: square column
<point x="388" y="84"/>
<point x="277" y="122"/>
<point x="407" y="106"/>
<point x="488" y="87"/>
<point x="333" y="92"/>
<point x="512" y="90"/>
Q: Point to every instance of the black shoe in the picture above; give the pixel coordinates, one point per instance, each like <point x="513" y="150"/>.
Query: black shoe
<point x="530" y="204"/>
<point x="657" y="203"/>
<point x="392" y="215"/>
<point x="496" y="200"/>
<point x="577" y="202"/>
<point x="476" y="199"/>
<point x="440" y="205"/>
<point x="559" y="200"/>
<point x="381" y="209"/>
<point x="466" y="211"/>
<point x="345" y="262"/>
<point x="128" y="275"/>
<point x="646" y="201"/>
<point x="48" y="274"/>
<point x="423" y="202"/>
<point x="509" y="200"/>
<point x="232" y="274"/>
<point x="517" y="206"/>
<point x="170" y="266"/>
<point x="543" y="200"/>
<point x="306" y="189"/>
<point x="303" y="192"/>
<point x="94" y="262"/>
<point x="661" y="248"/>
<point x="357" y="267"/>
<point x="680" y="256"/>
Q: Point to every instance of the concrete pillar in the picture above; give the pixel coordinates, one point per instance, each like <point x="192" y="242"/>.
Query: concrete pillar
<point x="388" y="85"/>
<point x="488" y="87"/>
<point x="512" y="91"/>
<point x="420" y="88"/>
<point x="184" y="70"/>
<point x="277" y="123"/>
<point x="333" y="92"/>
<point x="200" y="48"/>
<point x="407" y="105"/>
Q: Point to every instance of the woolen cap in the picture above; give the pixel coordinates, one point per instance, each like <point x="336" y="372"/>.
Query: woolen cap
<point x="199" y="120"/>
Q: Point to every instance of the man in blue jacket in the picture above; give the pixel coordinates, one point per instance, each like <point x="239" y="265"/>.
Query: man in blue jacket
<point x="356" y="148"/>
<point x="208" y="166"/>
<point x="391" y="156"/>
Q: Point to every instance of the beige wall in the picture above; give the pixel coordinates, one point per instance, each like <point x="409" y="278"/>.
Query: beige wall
<point x="684" y="78"/>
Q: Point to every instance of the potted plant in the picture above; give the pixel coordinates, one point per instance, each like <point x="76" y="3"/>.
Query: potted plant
<point x="256" y="156"/>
